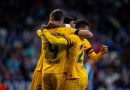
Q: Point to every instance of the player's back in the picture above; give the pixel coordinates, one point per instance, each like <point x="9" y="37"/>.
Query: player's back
<point x="55" y="56"/>
<point x="75" y="58"/>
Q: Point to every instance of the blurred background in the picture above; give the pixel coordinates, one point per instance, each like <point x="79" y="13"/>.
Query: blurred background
<point x="20" y="45"/>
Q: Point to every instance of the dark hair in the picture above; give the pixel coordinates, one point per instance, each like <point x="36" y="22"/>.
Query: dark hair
<point x="81" y="24"/>
<point x="67" y="20"/>
<point x="57" y="15"/>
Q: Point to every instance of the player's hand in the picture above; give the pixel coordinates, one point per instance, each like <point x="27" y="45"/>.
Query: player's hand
<point x="104" y="49"/>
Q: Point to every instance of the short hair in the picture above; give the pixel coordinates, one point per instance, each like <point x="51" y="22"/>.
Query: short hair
<point x="81" y="24"/>
<point x="67" y="19"/>
<point x="57" y="15"/>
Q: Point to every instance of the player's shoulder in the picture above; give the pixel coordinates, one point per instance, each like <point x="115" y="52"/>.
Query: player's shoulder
<point x="74" y="37"/>
<point x="70" y="28"/>
<point x="86" y="41"/>
<point x="66" y="28"/>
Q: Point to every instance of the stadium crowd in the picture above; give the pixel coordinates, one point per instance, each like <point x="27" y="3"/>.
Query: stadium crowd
<point x="20" y="46"/>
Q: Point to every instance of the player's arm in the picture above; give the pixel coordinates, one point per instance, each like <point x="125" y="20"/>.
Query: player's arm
<point x="92" y="54"/>
<point x="97" y="57"/>
<point x="56" y="41"/>
<point x="84" y="33"/>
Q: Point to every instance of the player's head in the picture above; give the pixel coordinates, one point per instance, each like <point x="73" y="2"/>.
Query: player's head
<point x="57" y="15"/>
<point x="81" y="24"/>
<point x="67" y="20"/>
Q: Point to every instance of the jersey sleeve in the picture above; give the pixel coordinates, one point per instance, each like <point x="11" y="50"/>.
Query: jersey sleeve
<point x="56" y="41"/>
<point x="65" y="40"/>
<point x="73" y="39"/>
<point x="95" y="57"/>
<point x="87" y="46"/>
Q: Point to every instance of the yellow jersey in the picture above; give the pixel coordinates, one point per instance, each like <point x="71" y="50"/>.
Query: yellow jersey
<point x="40" y="61"/>
<point x="54" y="56"/>
<point x="77" y="47"/>
<point x="87" y="47"/>
<point x="75" y="67"/>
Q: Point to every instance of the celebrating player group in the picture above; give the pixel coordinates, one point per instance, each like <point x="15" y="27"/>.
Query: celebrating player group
<point x="64" y="44"/>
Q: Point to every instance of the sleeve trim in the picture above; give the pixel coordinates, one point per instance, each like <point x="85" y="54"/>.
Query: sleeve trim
<point x="68" y="40"/>
<point x="89" y="50"/>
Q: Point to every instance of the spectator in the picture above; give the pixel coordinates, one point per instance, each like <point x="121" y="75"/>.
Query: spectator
<point x="3" y="86"/>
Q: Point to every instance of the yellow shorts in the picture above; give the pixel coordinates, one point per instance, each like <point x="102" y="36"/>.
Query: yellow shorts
<point x="76" y="84"/>
<point x="36" y="81"/>
<point x="53" y="81"/>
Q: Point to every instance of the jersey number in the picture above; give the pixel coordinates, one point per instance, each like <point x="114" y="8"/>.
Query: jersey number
<point x="81" y="54"/>
<point x="53" y="50"/>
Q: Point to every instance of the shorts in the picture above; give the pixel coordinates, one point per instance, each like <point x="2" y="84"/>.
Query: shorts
<point x="76" y="84"/>
<point x="53" y="81"/>
<point x="36" y="81"/>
